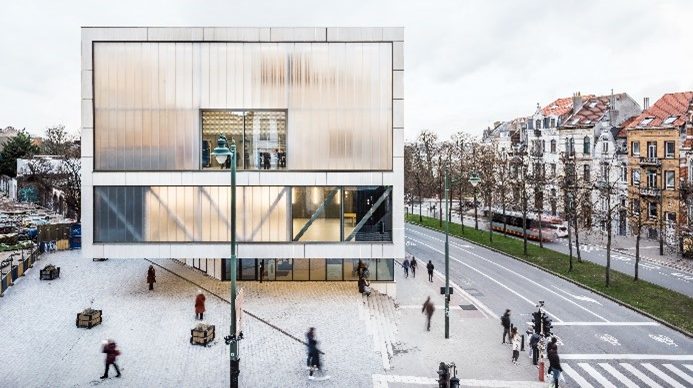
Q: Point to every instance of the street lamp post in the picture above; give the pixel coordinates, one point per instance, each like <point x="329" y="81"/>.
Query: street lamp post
<point x="222" y="153"/>
<point x="474" y="180"/>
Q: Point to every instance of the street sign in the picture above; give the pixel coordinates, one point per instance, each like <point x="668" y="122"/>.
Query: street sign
<point x="442" y="290"/>
<point x="239" y="311"/>
<point x="474" y="180"/>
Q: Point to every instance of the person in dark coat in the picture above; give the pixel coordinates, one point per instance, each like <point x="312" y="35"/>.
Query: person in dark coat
<point x="552" y="345"/>
<point x="111" y="350"/>
<point x="314" y="355"/>
<point x="310" y="336"/>
<point x="555" y="365"/>
<point x="412" y="265"/>
<point x="199" y="305"/>
<point x="405" y="265"/>
<point x="505" y="322"/>
<point x="430" y="268"/>
<point x="534" y="345"/>
<point x="262" y="269"/>
<point x="428" y="308"/>
<point x="362" y="270"/>
<point x="151" y="277"/>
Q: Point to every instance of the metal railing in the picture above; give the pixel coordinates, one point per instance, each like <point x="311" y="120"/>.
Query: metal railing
<point x="650" y="161"/>
<point x="10" y="272"/>
<point x="650" y="191"/>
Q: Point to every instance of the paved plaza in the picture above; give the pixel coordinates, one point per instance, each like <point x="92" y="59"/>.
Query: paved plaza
<point x="380" y="343"/>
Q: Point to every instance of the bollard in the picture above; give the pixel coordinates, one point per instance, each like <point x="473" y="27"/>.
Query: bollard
<point x="522" y="343"/>
<point x="454" y="382"/>
<point x="541" y="370"/>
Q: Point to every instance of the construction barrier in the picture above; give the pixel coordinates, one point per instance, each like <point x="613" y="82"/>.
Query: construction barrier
<point x="10" y="272"/>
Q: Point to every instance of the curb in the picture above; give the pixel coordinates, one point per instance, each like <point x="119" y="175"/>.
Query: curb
<point x="624" y="304"/>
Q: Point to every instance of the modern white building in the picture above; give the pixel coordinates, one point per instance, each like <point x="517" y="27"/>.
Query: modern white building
<point x="317" y="117"/>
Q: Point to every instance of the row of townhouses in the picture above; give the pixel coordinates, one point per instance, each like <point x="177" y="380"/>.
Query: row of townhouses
<point x="635" y="160"/>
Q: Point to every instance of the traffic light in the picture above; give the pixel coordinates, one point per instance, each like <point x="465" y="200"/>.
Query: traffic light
<point x="547" y="324"/>
<point x="536" y="321"/>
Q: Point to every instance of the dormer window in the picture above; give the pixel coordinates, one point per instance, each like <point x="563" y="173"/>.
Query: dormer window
<point x="575" y="121"/>
<point x="646" y="121"/>
<point x="670" y="120"/>
<point x="593" y="104"/>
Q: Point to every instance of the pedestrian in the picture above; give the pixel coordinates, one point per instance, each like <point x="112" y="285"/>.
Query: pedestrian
<point x="109" y="347"/>
<point x="151" y="277"/>
<point x="534" y="347"/>
<point x="515" y="339"/>
<point x="199" y="305"/>
<point x="552" y="345"/>
<point x="430" y="268"/>
<point x="412" y="265"/>
<point x="505" y="322"/>
<point x="428" y="308"/>
<point x="364" y="289"/>
<point x="262" y="269"/>
<point x="405" y="265"/>
<point x="310" y="336"/>
<point x="314" y="364"/>
<point x="362" y="270"/>
<point x="555" y="366"/>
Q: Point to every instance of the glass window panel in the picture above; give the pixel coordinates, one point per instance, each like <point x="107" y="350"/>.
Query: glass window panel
<point x="305" y="203"/>
<point x="385" y="269"/>
<point x="247" y="271"/>
<point x="317" y="269"/>
<point x="284" y="269"/>
<point x="268" y="266"/>
<point x="357" y="203"/>
<point x="301" y="269"/>
<point x="351" y="265"/>
<point x="334" y="269"/>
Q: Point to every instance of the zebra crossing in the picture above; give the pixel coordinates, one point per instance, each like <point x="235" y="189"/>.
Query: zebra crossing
<point x="627" y="374"/>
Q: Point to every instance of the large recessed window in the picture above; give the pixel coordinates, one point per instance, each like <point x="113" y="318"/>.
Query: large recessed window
<point x="260" y="137"/>
<point x="315" y="213"/>
<point x="367" y="214"/>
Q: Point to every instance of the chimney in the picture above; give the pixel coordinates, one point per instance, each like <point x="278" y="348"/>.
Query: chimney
<point x="577" y="101"/>
<point x="645" y="103"/>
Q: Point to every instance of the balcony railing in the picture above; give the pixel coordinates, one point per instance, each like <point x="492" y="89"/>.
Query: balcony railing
<point x="650" y="192"/>
<point x="650" y="162"/>
<point x="537" y="153"/>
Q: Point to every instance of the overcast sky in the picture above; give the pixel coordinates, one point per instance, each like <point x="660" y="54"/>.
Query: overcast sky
<point x="467" y="63"/>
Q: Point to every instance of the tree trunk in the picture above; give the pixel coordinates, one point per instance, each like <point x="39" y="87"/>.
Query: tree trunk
<point x="608" y="238"/>
<point x="505" y="224"/>
<point x="661" y="227"/>
<point x="524" y="221"/>
<point x="476" y="215"/>
<point x="541" y="236"/>
<point x="570" y="248"/>
<point x="420" y="207"/>
<point x="461" y="211"/>
<point x="577" y="239"/>
<point x="637" y="254"/>
<point x="490" y="221"/>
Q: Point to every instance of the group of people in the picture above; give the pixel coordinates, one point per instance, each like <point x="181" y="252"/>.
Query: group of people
<point x="514" y="339"/>
<point x="412" y="264"/>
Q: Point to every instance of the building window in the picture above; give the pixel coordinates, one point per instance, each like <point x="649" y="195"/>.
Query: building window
<point x="651" y="178"/>
<point x="315" y="213"/>
<point x="260" y="138"/>
<point x="530" y="124"/>
<point x="586" y="148"/>
<point x="636" y="206"/>
<point x="671" y="219"/>
<point x="538" y="124"/>
<point x="553" y="146"/>
<point x="553" y="123"/>
<point x="586" y="172"/>
<point x="543" y="146"/>
<point x="635" y="177"/>
<point x="670" y="120"/>
<point x="605" y="172"/>
<point x="553" y="169"/>
<point x="372" y="202"/>
<point x="670" y="179"/>
<point x="605" y="146"/>
<point x="669" y="149"/>
<point x="635" y="148"/>
<point x="651" y="149"/>
<point x="570" y="146"/>
<point x="652" y="209"/>
<point x="624" y="172"/>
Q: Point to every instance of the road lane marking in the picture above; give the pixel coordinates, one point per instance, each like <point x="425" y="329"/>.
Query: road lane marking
<point x="679" y="373"/>
<point x="489" y="277"/>
<point x="485" y="310"/>
<point x="596" y="375"/>
<point x="690" y="367"/>
<point x="608" y="338"/>
<point x="383" y="380"/>
<point x="416" y="306"/>
<point x="663" y="375"/>
<point x="578" y="297"/>
<point x="618" y="375"/>
<point x="606" y="324"/>
<point x="630" y="368"/>
<point x="627" y="356"/>
<point x="664" y="339"/>
<point x="576" y="376"/>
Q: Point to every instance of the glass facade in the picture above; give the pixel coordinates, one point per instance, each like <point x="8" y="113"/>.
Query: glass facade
<point x="264" y="214"/>
<point x="149" y="99"/>
<point x="310" y="269"/>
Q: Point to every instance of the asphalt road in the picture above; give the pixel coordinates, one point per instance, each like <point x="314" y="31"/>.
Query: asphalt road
<point x="601" y="342"/>
<point x="662" y="275"/>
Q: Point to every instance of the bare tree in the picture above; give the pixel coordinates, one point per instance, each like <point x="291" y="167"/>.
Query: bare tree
<point x="429" y="146"/>
<point x="567" y="183"/>
<point x="487" y="169"/>
<point x="520" y="178"/>
<point x="606" y="186"/>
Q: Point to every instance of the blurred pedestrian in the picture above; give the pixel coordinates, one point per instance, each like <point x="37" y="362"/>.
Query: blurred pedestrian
<point x="430" y="268"/>
<point x="109" y="347"/>
<point x="412" y="265"/>
<point x="405" y="265"/>
<point x="555" y="366"/>
<point x="515" y="340"/>
<point x="199" y="305"/>
<point x="262" y="269"/>
<point x="428" y="308"/>
<point x="362" y="269"/>
<point x="364" y="289"/>
<point x="314" y="364"/>
<point x="151" y="277"/>
<point x="310" y="336"/>
<point x="505" y="322"/>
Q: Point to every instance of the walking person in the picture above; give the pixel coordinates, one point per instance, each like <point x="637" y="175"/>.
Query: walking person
<point x="199" y="305"/>
<point x="555" y="366"/>
<point x="412" y="265"/>
<point x="111" y="350"/>
<point x="151" y="277"/>
<point x="505" y="322"/>
<point x="515" y="340"/>
<point x="428" y="308"/>
<point x="405" y="265"/>
<point x="314" y="364"/>
<point x="430" y="268"/>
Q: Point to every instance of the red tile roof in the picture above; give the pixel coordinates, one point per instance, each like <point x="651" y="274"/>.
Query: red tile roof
<point x="561" y="106"/>
<point x="671" y="104"/>
<point x="622" y="128"/>
<point x="592" y="111"/>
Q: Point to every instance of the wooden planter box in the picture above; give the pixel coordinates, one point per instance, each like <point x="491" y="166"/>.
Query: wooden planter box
<point x="88" y="318"/>
<point x="49" y="272"/>
<point x="202" y="335"/>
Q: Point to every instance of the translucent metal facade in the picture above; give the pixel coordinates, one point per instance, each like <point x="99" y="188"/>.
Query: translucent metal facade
<point x="148" y="98"/>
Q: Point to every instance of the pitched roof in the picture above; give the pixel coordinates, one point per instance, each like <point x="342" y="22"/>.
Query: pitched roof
<point x="561" y="106"/>
<point x="592" y="111"/>
<point x="624" y="125"/>
<point x="670" y="111"/>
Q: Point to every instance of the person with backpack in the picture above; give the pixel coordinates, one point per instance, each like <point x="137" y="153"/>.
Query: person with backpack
<point x="429" y="268"/>
<point x="505" y="322"/>
<point x="405" y="265"/>
<point x="413" y="265"/>
<point x="111" y="350"/>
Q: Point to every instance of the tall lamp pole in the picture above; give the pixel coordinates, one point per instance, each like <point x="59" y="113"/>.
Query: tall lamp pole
<point x="474" y="180"/>
<point x="222" y="153"/>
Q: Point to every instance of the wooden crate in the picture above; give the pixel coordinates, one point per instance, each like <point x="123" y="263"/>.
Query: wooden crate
<point x="89" y="318"/>
<point x="49" y="272"/>
<point x="202" y="335"/>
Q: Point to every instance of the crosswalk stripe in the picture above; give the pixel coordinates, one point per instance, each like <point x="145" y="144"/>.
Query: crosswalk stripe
<point x="575" y="376"/>
<point x="630" y="368"/>
<point x="662" y="375"/>
<point x="690" y="367"/>
<point x="679" y="373"/>
<point x="618" y="375"/>
<point x="596" y="375"/>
